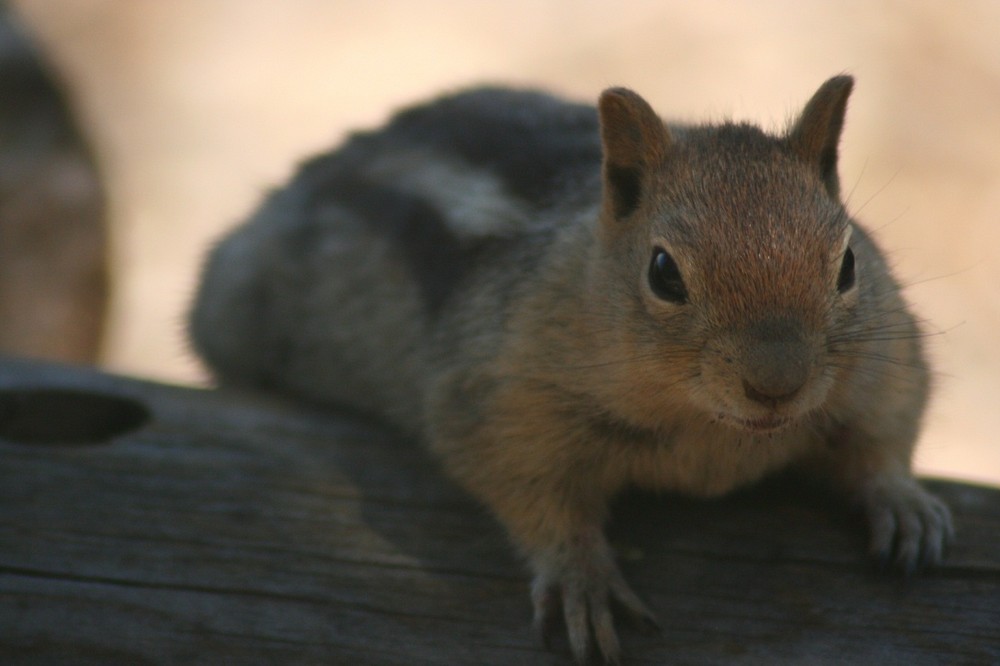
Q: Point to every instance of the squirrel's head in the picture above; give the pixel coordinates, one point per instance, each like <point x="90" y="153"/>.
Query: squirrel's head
<point x="735" y="252"/>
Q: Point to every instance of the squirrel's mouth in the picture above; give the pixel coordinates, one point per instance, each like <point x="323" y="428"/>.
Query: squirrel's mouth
<point x="762" y="424"/>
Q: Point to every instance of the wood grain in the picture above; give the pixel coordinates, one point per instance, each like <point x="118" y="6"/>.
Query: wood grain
<point x="231" y="529"/>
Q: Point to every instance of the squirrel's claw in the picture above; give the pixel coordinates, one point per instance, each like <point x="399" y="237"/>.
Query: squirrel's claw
<point x="586" y="610"/>
<point x="546" y="603"/>
<point x="629" y="601"/>
<point x="910" y="528"/>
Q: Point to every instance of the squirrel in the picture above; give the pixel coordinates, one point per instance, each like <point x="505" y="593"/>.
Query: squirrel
<point x="564" y="301"/>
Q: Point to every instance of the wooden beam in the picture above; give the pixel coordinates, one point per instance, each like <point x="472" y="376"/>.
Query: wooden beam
<point x="236" y="529"/>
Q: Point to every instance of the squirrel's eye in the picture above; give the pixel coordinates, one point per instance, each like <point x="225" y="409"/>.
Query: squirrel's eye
<point x="665" y="278"/>
<point x="846" y="278"/>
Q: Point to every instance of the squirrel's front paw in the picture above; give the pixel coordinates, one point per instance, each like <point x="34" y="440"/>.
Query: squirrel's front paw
<point x="909" y="527"/>
<point x="585" y="583"/>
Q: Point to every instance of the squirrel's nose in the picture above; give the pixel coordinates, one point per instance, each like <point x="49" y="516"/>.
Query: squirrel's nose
<point x="770" y="396"/>
<point x="777" y="363"/>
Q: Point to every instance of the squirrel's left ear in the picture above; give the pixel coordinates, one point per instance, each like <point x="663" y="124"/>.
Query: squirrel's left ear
<point x="816" y="133"/>
<point x="635" y="142"/>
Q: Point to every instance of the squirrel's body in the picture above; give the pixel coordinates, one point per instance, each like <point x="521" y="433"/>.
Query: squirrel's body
<point x="563" y="301"/>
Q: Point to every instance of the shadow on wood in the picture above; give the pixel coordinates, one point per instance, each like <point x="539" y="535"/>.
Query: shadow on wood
<point x="216" y="528"/>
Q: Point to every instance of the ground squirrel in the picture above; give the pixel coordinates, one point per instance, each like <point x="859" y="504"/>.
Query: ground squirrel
<point x="562" y="301"/>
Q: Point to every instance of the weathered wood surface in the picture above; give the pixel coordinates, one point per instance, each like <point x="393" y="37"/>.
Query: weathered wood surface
<point x="232" y="530"/>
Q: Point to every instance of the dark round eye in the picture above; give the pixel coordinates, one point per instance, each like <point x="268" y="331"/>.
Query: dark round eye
<point x="846" y="278"/>
<point x="665" y="278"/>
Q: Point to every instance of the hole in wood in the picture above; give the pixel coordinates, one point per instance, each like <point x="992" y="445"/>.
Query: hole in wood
<point x="67" y="417"/>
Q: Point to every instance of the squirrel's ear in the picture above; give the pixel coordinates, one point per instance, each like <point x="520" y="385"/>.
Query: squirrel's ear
<point x="635" y="140"/>
<point x="816" y="133"/>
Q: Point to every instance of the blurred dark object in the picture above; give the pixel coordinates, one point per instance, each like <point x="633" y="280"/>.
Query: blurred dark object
<point x="53" y="246"/>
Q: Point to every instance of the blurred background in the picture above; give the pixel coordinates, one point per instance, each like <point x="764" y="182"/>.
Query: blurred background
<point x="193" y="109"/>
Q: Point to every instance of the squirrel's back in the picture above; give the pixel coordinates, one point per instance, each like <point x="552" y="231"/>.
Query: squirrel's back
<point x="329" y="291"/>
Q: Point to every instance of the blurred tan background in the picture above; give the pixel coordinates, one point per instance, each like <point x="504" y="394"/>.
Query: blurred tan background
<point x="197" y="107"/>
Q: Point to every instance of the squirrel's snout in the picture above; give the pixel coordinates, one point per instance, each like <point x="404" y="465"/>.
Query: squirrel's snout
<point x="770" y="396"/>
<point x="778" y="364"/>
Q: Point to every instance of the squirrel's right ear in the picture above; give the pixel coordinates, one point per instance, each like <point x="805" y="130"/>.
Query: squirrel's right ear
<point x="635" y="141"/>
<point x="815" y="135"/>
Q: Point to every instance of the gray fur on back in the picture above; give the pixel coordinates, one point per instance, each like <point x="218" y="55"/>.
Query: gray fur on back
<point x="336" y="289"/>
